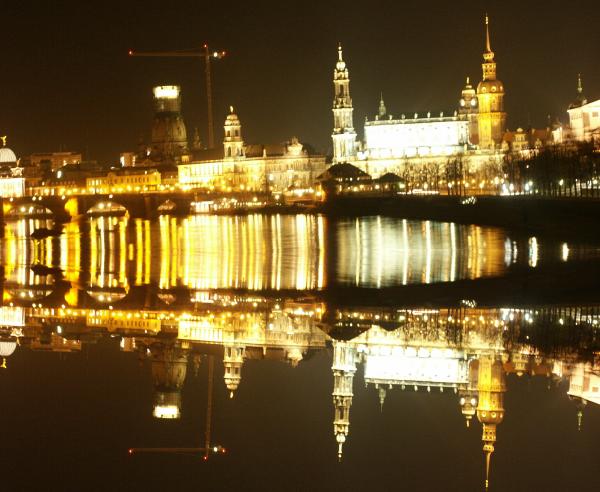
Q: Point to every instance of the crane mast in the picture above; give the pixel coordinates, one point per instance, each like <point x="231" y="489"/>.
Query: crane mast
<point x="207" y="55"/>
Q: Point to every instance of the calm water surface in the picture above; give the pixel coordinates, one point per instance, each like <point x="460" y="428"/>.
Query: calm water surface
<point x="293" y="347"/>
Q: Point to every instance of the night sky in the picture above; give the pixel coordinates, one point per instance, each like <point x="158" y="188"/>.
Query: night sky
<point x="67" y="82"/>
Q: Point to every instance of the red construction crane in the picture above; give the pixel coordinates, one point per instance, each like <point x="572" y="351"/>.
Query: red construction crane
<point x="208" y="55"/>
<point x="208" y="448"/>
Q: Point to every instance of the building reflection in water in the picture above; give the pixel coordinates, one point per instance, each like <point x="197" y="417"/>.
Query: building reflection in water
<point x="376" y="252"/>
<point x="255" y="252"/>
<point x="465" y="352"/>
<point x="468" y="352"/>
<point x="172" y="292"/>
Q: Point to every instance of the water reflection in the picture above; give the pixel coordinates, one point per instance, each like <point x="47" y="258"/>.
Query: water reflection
<point x="464" y="352"/>
<point x="179" y="292"/>
<point x="376" y="251"/>
<point x="279" y="252"/>
<point x="255" y="252"/>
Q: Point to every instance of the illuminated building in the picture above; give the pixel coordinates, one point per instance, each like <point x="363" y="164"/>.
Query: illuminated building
<point x="491" y="117"/>
<point x="169" y="135"/>
<point x="7" y="156"/>
<point x="423" y="141"/>
<point x="258" y="168"/>
<point x="425" y="135"/>
<point x="11" y="185"/>
<point x="344" y="136"/>
<point x="584" y="120"/>
<point x="525" y="141"/>
<point x="125" y="180"/>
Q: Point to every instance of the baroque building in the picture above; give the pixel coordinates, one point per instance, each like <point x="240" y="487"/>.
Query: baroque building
<point x="238" y="166"/>
<point x="394" y="144"/>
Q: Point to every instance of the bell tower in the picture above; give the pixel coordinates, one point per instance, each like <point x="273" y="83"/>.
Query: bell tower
<point x="469" y="107"/>
<point x="491" y="386"/>
<point x="344" y="367"/>
<point x="344" y="136"/>
<point x="490" y="97"/>
<point x="233" y="145"/>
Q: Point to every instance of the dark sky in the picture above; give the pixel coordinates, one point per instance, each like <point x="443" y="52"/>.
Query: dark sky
<point x="67" y="82"/>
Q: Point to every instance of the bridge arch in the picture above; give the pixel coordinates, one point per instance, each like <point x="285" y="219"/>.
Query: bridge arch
<point x="29" y="210"/>
<point x="108" y="207"/>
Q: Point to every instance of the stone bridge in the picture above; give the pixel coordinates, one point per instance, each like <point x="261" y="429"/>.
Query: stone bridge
<point x="66" y="208"/>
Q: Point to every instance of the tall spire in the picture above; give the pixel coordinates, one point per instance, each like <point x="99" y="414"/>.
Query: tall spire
<point x="488" y="47"/>
<point x="580" y="98"/>
<point x="488" y="459"/>
<point x="382" y="109"/>
<point x="343" y="136"/>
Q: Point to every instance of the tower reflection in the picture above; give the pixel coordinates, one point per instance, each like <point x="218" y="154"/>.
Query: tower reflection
<point x="252" y="288"/>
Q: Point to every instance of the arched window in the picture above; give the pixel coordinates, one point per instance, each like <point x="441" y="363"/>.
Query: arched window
<point x="228" y="133"/>
<point x="228" y="151"/>
<point x="237" y="133"/>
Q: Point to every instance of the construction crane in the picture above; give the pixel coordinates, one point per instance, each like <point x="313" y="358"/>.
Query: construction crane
<point x="208" y="447"/>
<point x="208" y="55"/>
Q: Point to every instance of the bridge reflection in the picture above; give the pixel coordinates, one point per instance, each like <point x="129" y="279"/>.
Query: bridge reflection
<point x="418" y="306"/>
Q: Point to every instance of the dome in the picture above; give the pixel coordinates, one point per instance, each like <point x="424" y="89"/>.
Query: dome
<point x="7" y="156"/>
<point x="7" y="347"/>
<point x="232" y="118"/>
<point x="490" y="86"/>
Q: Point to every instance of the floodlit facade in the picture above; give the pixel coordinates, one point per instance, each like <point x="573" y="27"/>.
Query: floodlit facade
<point x="396" y="144"/>
<point x="423" y="135"/>
<point x="585" y="122"/>
<point x="12" y="187"/>
<point x="256" y="168"/>
<point x="118" y="182"/>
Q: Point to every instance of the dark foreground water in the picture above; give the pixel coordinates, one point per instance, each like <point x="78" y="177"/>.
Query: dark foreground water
<point x="310" y="355"/>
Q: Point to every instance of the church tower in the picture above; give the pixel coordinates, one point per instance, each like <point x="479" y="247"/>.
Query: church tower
<point x="580" y="99"/>
<point x="344" y="367"/>
<point x="490" y="97"/>
<point x="233" y="143"/>
<point x="468" y="105"/>
<point x="491" y="386"/>
<point x="233" y="359"/>
<point x="344" y="136"/>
